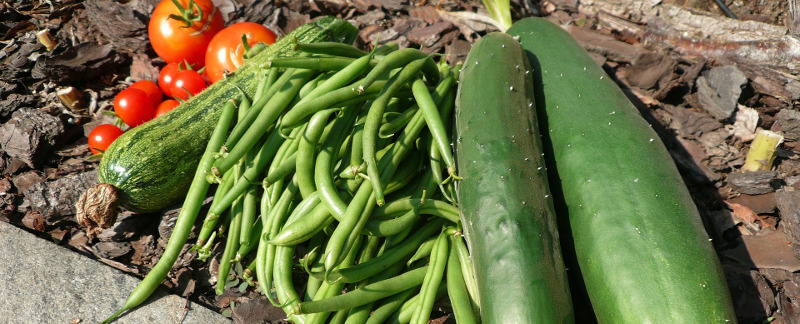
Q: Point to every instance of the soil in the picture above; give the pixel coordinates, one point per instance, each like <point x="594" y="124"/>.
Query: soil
<point x="703" y="94"/>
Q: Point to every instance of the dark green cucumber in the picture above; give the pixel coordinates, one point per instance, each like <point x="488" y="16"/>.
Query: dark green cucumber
<point x="152" y="165"/>
<point x="505" y="203"/>
<point x="642" y="249"/>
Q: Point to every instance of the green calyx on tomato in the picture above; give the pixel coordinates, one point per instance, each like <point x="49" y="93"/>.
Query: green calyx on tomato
<point x="180" y="30"/>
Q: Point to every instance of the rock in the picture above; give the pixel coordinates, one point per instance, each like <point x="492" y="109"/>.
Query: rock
<point x="56" y="199"/>
<point x="788" y="122"/>
<point x="789" y="206"/>
<point x="754" y="183"/>
<point x="61" y="286"/>
<point x="719" y="89"/>
<point x="29" y="135"/>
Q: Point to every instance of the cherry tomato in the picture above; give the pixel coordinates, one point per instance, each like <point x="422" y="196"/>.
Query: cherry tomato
<point x="133" y="106"/>
<point x="176" y="40"/>
<point x="151" y="88"/>
<point x="165" y="106"/>
<point x="166" y="76"/>
<point x="102" y="136"/>
<point x="226" y="50"/>
<point x="187" y="80"/>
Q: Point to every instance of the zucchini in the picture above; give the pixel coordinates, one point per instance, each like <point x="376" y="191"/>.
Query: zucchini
<point x="638" y="237"/>
<point x="505" y="203"/>
<point x="151" y="166"/>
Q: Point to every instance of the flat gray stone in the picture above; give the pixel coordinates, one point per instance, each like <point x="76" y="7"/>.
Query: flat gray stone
<point x="46" y="283"/>
<point x="719" y="89"/>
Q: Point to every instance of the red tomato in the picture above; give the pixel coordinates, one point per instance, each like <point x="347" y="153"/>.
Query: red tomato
<point x="166" y="76"/>
<point x="165" y="106"/>
<point x="102" y="136"/>
<point x="226" y="49"/>
<point x="151" y="88"/>
<point x="133" y="106"/>
<point x="176" y="40"/>
<point x="187" y="83"/>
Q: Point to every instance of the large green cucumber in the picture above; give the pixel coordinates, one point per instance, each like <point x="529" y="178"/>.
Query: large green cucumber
<point x="152" y="165"/>
<point x="642" y="249"/>
<point x="505" y="203"/>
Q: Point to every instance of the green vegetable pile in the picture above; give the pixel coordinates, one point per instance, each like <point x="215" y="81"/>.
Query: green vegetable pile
<point x="342" y="157"/>
<point x="335" y="185"/>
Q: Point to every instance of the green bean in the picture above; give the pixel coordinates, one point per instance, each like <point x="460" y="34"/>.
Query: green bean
<point x="231" y="245"/>
<point x="297" y="232"/>
<point x="423" y="251"/>
<point x="457" y="288"/>
<point x="317" y="63"/>
<point x="314" y="246"/>
<point x="283" y="169"/>
<point x="243" y="124"/>
<point x="366" y="294"/>
<point x="386" y="49"/>
<point x="467" y="271"/>
<point x="254" y="168"/>
<point x="329" y="290"/>
<point x="342" y="77"/>
<point x="390" y="305"/>
<point x="249" y="206"/>
<point x="329" y="48"/>
<point x="336" y="98"/>
<point x="372" y="123"/>
<point x="252" y="243"/>
<point x="405" y="173"/>
<point x="391" y="256"/>
<point x="435" y="124"/>
<point x="339" y="317"/>
<point x="325" y="160"/>
<point x="403" y="315"/>
<point x="429" y="207"/>
<point x="268" y="115"/>
<point x="433" y="279"/>
<point x="306" y="152"/>
<point x="284" y="286"/>
<point x="398" y="59"/>
<point x="207" y="228"/>
<point x="272" y="222"/>
<point x="392" y="226"/>
<point x="186" y="217"/>
<point x="397" y="123"/>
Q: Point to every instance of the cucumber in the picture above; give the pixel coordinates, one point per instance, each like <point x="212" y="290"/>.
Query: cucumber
<point x="638" y="237"/>
<point x="151" y="166"/>
<point x="505" y="203"/>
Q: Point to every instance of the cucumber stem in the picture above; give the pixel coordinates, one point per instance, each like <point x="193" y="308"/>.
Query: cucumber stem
<point x="762" y="151"/>
<point x="97" y="208"/>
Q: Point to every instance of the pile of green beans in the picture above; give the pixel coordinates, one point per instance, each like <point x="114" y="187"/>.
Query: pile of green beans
<point x="340" y="167"/>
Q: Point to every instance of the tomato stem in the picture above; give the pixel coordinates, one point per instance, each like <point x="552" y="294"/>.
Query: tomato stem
<point x="190" y="14"/>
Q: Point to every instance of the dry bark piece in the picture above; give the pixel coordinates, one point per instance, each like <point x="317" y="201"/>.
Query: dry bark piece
<point x="755" y="182"/>
<point x="788" y="122"/>
<point x="85" y="61"/>
<point x="123" y="24"/>
<point x="789" y="300"/>
<point x="753" y="299"/>
<point x="760" y="204"/>
<point x="30" y="135"/>
<point x="789" y="206"/>
<point x="55" y="200"/>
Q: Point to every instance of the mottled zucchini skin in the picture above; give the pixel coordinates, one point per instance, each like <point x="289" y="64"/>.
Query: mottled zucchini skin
<point x="152" y="165"/>
<point x="504" y="200"/>
<point x="639" y="240"/>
